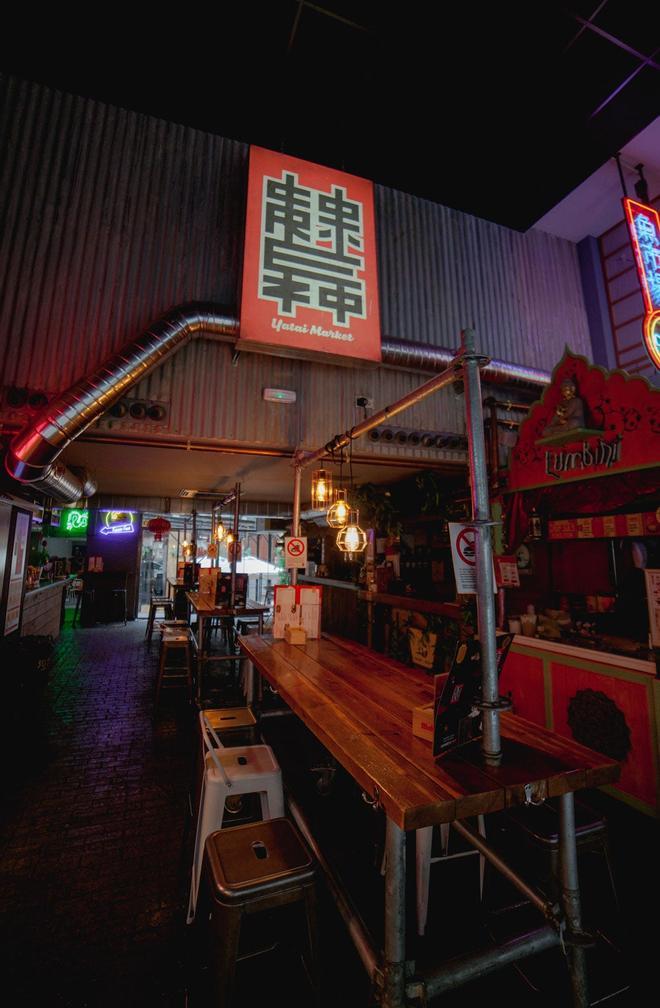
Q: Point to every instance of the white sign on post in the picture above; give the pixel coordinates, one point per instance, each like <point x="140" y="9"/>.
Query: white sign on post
<point x="464" y="558"/>
<point x="295" y="551"/>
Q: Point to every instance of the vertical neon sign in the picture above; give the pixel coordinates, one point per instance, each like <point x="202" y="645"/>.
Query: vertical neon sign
<point x="644" y="226"/>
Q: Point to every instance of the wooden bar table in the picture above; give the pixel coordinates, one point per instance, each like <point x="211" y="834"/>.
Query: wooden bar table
<point x="205" y="608"/>
<point x="359" y="704"/>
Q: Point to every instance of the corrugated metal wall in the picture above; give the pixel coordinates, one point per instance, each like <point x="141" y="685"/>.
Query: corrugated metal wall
<point x="442" y="270"/>
<point x="110" y="218"/>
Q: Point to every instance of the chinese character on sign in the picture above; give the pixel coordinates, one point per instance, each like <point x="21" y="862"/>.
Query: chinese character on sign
<point x="310" y="274"/>
<point x="311" y="249"/>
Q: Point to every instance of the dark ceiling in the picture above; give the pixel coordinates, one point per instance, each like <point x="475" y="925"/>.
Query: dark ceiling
<point x="498" y="110"/>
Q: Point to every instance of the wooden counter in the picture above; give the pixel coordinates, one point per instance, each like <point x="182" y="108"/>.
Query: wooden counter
<point x="545" y="677"/>
<point x="42" y="610"/>
<point x="359" y="704"/>
<point x="339" y="606"/>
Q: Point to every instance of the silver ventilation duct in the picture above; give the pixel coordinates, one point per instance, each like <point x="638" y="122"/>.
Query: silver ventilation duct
<point x="32" y="454"/>
<point x="422" y="357"/>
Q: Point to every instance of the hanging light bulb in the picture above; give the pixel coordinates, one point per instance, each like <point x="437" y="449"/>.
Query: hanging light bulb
<point x="351" y="538"/>
<point x="220" y="531"/>
<point x="338" y="513"/>
<point x="321" y="489"/>
<point x="230" y="538"/>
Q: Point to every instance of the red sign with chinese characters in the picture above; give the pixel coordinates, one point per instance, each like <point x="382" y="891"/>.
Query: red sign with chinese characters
<point x="644" y="227"/>
<point x="621" y="432"/>
<point x="310" y="281"/>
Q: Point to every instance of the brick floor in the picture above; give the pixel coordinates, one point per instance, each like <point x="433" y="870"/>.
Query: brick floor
<point x="95" y="846"/>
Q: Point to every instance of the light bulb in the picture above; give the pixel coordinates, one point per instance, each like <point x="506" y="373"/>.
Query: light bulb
<point x="338" y="513"/>
<point x="352" y="539"/>
<point x="220" y="532"/>
<point x="321" y="489"/>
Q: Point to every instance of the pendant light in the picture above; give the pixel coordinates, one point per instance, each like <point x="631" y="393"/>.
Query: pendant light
<point x="220" y="531"/>
<point x="321" y="489"/>
<point x="340" y="510"/>
<point x="351" y="538"/>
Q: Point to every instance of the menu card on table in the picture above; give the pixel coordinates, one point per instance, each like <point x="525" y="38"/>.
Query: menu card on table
<point x="458" y="718"/>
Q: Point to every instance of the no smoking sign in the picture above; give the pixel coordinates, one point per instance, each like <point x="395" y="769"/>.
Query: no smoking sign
<point x="295" y="551"/>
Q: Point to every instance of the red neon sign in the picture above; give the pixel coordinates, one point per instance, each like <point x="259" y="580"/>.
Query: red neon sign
<point x="644" y="227"/>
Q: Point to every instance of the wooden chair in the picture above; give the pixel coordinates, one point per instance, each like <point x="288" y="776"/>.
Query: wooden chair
<point x="158" y="602"/>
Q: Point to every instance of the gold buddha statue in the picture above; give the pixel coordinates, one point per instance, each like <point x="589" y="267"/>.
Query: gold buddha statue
<point x="569" y="413"/>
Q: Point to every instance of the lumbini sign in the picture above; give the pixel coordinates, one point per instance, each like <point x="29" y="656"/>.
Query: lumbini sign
<point x="615" y="427"/>
<point x="309" y="274"/>
<point x="644" y="227"/>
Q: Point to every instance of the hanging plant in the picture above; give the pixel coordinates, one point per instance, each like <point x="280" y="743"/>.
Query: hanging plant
<point x="377" y="508"/>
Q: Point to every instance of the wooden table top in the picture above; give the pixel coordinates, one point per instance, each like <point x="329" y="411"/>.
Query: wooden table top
<point x="359" y="705"/>
<point x="205" y="606"/>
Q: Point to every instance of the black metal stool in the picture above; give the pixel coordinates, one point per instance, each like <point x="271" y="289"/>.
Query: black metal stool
<point x="539" y="825"/>
<point x="247" y="870"/>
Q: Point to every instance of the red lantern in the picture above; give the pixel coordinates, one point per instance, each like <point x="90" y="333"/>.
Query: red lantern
<point x="158" y="526"/>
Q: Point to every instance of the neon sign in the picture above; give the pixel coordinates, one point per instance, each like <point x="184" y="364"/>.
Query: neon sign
<point x="117" y="523"/>
<point x="644" y="226"/>
<point x="74" y="520"/>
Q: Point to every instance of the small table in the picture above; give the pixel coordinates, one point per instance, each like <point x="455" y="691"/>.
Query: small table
<point x="205" y="608"/>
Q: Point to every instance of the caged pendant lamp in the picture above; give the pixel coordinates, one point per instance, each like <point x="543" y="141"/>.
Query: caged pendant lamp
<point x="220" y="531"/>
<point x="351" y="538"/>
<point x="339" y="512"/>
<point x="321" y="489"/>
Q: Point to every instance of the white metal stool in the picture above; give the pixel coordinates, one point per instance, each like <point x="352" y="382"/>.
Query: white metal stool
<point x="229" y="772"/>
<point x="423" y="862"/>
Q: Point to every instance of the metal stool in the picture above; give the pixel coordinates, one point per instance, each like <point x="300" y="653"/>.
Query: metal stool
<point x="173" y="642"/>
<point x="539" y="825"/>
<point x="228" y="772"/>
<point x="423" y="862"/>
<point x="247" y="870"/>
<point x="234" y="726"/>
<point x="157" y="602"/>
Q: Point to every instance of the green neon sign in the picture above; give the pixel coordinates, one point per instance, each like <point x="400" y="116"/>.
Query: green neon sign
<point x="74" y="520"/>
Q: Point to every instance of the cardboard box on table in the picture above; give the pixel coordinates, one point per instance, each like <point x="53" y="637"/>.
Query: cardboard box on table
<point x="297" y="606"/>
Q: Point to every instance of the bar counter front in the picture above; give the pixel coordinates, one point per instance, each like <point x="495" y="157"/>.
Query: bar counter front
<point x="359" y="704"/>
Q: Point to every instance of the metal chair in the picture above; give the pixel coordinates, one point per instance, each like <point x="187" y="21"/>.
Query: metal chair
<point x="229" y="772"/>
<point x="247" y="870"/>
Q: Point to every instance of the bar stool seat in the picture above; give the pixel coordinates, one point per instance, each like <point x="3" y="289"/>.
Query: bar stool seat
<point x="423" y="862"/>
<point x="539" y="825"/>
<point x="228" y="772"/>
<point x="247" y="870"/>
<point x="155" y="604"/>
<point x="170" y="673"/>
